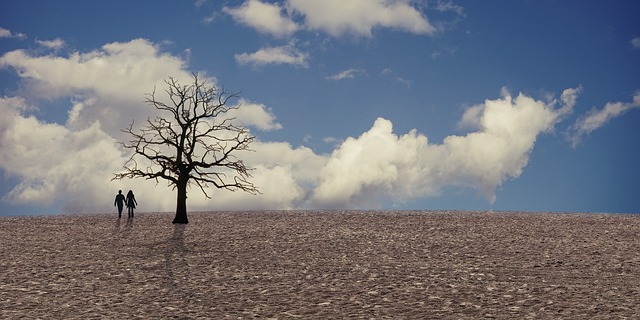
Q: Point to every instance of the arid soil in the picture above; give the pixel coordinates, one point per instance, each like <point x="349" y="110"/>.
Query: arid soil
<point x="322" y="265"/>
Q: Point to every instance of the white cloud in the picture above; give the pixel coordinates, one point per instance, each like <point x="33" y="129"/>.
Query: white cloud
<point x="335" y="17"/>
<point x="5" y="33"/>
<point x="302" y="162"/>
<point x="635" y="42"/>
<point x="255" y="115"/>
<point x="569" y="99"/>
<point x="72" y="163"/>
<point x="55" y="44"/>
<point x="346" y="74"/>
<point x="360" y="17"/>
<point x="359" y="174"/>
<point x="110" y="82"/>
<point x="287" y="54"/>
<point x="52" y="162"/>
<point x="283" y="174"/>
<point x="597" y="118"/>
<point x="116" y="69"/>
<point x="264" y="17"/>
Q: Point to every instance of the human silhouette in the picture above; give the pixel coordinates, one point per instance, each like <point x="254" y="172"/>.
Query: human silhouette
<point x="131" y="203"/>
<point x="120" y="202"/>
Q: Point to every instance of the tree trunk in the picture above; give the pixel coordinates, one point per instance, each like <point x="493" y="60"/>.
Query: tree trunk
<point x="181" y="205"/>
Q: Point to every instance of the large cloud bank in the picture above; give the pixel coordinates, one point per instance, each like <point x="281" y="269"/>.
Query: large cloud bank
<point x="72" y="162"/>
<point x="381" y="163"/>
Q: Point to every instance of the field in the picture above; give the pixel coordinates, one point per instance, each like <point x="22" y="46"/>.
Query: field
<point x="322" y="265"/>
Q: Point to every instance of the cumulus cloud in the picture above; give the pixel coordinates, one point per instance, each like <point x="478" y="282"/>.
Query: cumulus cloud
<point x="284" y="175"/>
<point x="335" y="17"/>
<point x="52" y="162"/>
<point x="6" y="33"/>
<point x="597" y="118"/>
<point x="264" y="17"/>
<point x="635" y="43"/>
<point x="287" y="54"/>
<point x="255" y="115"/>
<point x="360" y="17"/>
<point x="380" y="164"/>
<point x="72" y="163"/>
<point x="107" y="84"/>
<point x="139" y="61"/>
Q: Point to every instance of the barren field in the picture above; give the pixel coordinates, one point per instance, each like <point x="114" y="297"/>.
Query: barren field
<point x="327" y="265"/>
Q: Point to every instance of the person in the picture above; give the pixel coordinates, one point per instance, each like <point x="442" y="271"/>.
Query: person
<point x="131" y="203"/>
<point x="120" y="202"/>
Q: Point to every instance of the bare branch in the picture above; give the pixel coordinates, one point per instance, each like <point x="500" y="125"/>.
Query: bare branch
<point x="191" y="141"/>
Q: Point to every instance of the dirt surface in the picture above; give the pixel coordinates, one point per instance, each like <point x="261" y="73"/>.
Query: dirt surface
<point x="331" y="265"/>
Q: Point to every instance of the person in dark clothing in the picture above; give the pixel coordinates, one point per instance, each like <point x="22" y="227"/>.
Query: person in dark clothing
<point x="131" y="203"/>
<point x="120" y="202"/>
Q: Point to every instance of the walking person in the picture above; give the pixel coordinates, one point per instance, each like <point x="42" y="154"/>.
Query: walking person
<point x="119" y="202"/>
<point x="131" y="203"/>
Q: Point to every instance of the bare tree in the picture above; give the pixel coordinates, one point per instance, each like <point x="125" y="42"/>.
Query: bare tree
<point x="193" y="141"/>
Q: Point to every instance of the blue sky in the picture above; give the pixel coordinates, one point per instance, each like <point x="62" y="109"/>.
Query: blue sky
<point x="360" y="104"/>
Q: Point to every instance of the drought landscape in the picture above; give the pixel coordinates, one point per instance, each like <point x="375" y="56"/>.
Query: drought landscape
<point x="322" y="265"/>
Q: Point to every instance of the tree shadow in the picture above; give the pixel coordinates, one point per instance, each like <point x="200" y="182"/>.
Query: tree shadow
<point x="175" y="261"/>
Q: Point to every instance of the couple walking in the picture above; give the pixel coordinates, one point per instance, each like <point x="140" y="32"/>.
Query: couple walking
<point x="130" y="201"/>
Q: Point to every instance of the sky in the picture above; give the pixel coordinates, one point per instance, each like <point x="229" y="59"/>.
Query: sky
<point x="355" y="104"/>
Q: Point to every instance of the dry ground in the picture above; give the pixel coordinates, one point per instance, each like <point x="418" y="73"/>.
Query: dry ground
<point x="328" y="265"/>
